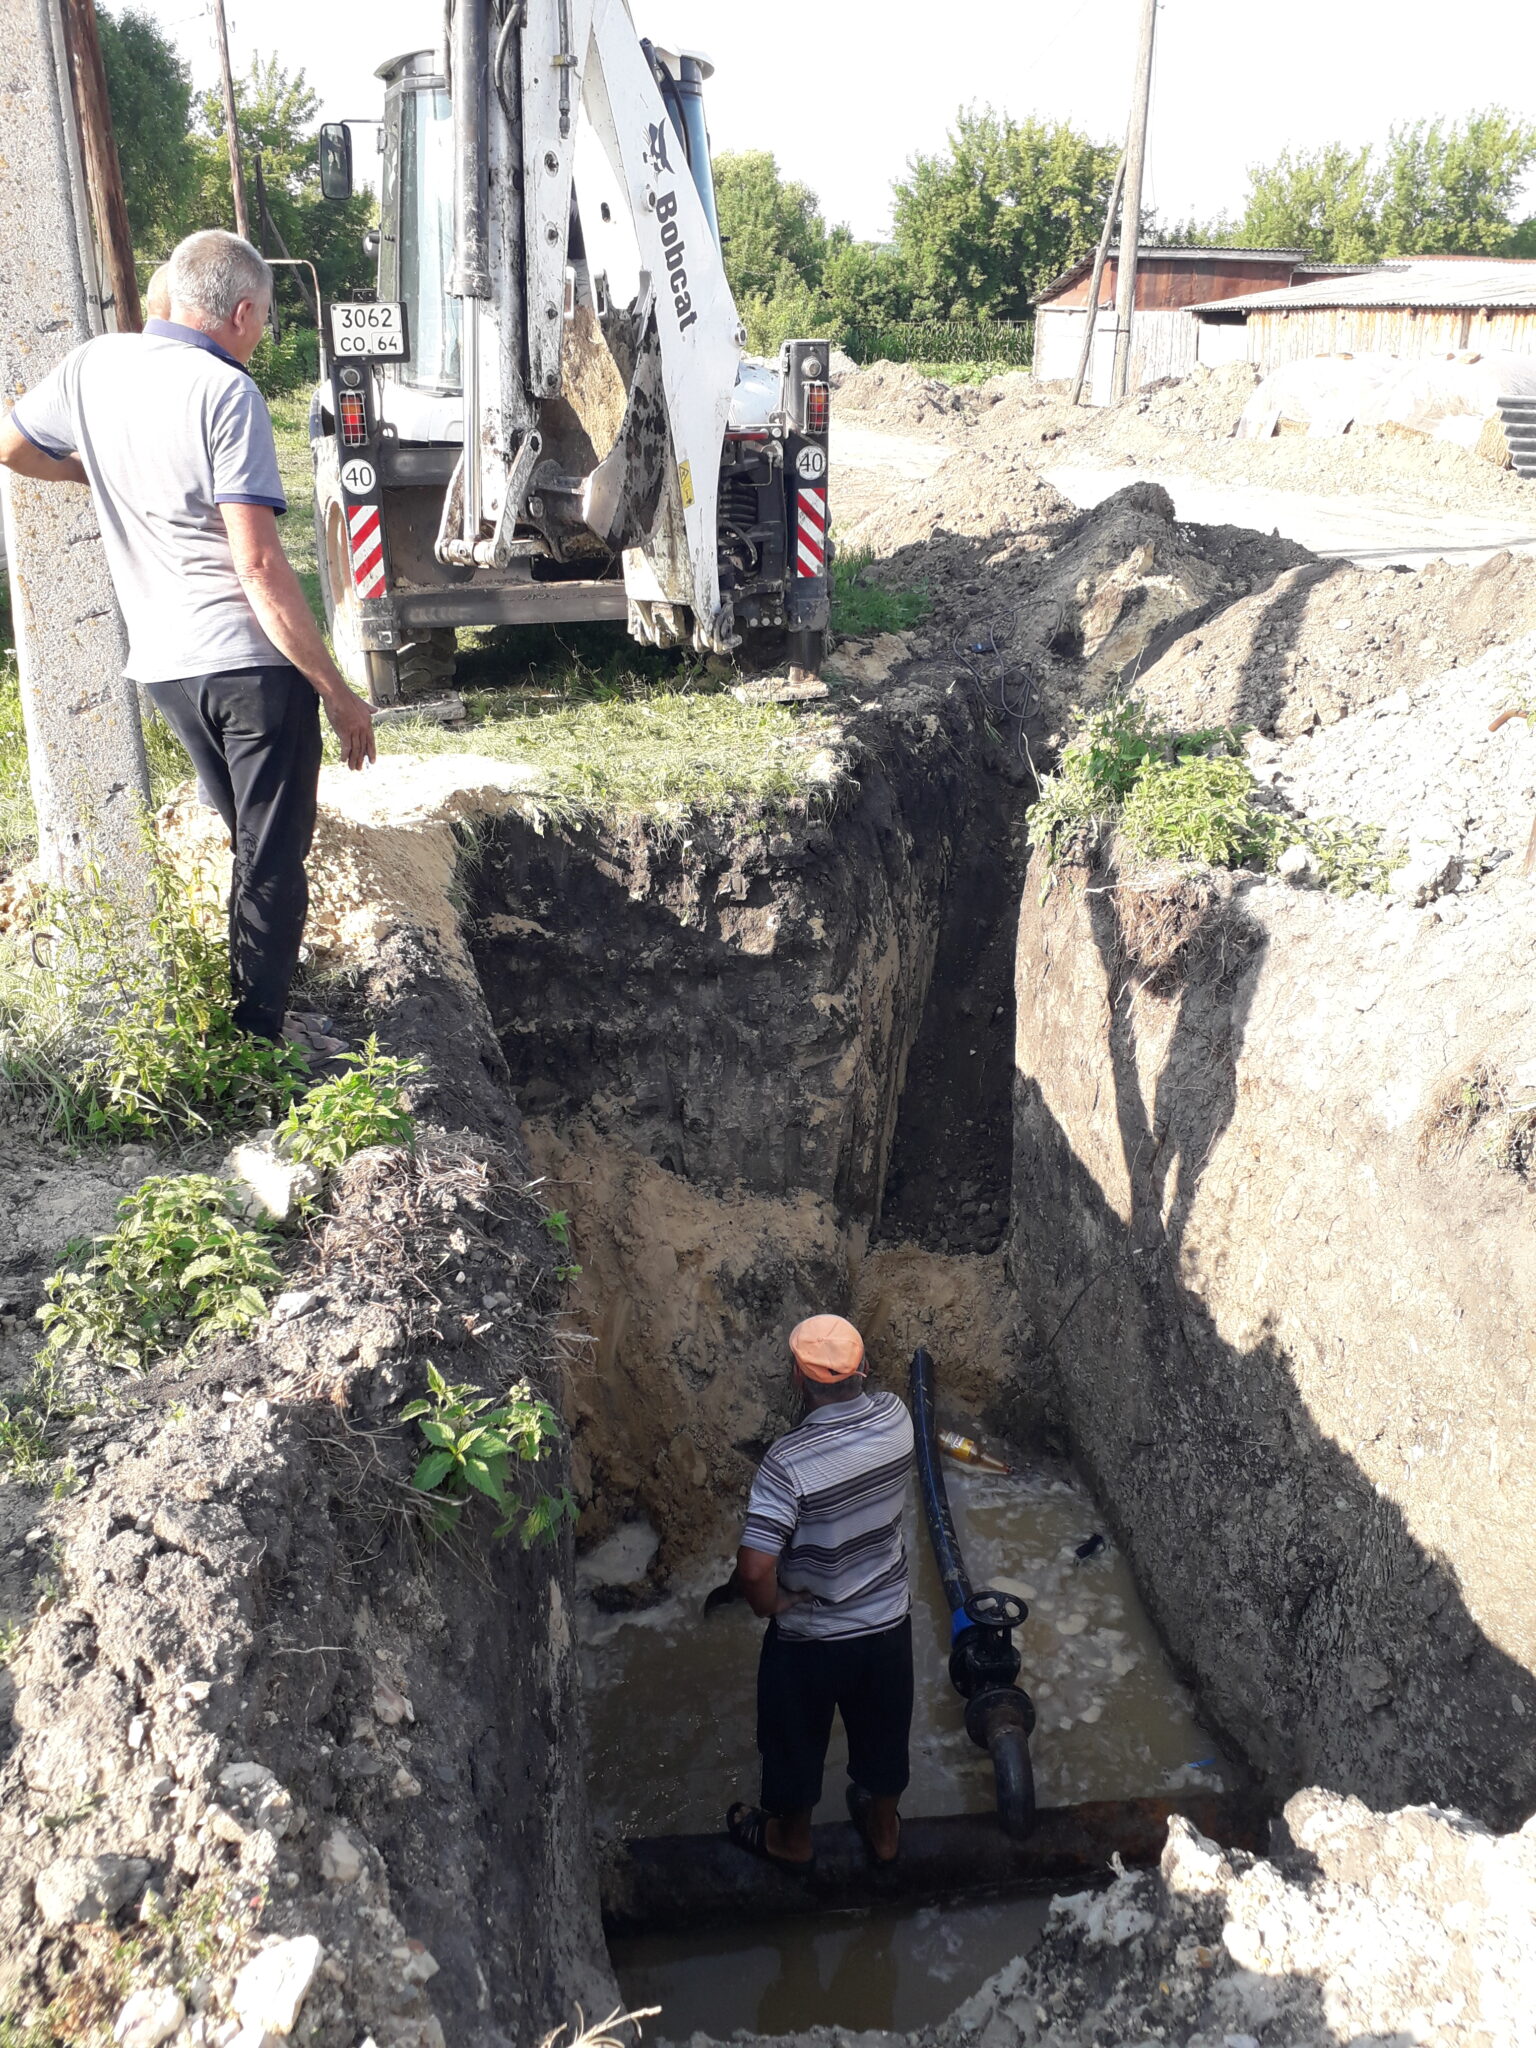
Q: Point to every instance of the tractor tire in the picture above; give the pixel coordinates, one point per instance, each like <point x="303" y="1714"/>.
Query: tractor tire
<point x="426" y="665"/>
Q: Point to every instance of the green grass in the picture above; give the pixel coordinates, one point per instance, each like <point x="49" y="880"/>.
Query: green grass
<point x="964" y="373"/>
<point x="1190" y="796"/>
<point x="861" y="607"/>
<point x="290" y="427"/>
<point x="666" y="752"/>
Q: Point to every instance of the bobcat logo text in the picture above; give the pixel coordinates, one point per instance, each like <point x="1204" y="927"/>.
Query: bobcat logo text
<point x="677" y="256"/>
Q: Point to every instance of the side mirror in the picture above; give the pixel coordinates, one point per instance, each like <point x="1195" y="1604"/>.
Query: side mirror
<point x="335" y="160"/>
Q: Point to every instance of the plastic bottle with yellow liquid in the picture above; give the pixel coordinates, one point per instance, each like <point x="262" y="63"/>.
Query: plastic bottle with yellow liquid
<point x="966" y="1451"/>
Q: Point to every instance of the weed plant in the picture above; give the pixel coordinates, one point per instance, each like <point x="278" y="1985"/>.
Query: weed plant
<point x="473" y="1445"/>
<point x="1191" y="796"/>
<point x="181" y="1268"/>
<point x="363" y="1107"/>
<point x="123" y="1027"/>
<point x="860" y="607"/>
<point x="30" y="1422"/>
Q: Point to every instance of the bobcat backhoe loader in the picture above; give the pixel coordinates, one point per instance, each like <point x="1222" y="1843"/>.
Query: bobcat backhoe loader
<point x="547" y="413"/>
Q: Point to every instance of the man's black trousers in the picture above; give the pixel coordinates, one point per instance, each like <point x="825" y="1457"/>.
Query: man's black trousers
<point x="801" y="1683"/>
<point x="254" y="738"/>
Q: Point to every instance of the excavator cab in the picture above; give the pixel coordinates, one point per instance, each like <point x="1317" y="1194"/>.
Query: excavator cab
<point x="546" y="414"/>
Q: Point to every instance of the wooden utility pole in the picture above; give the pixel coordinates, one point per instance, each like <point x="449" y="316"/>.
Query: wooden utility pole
<point x="103" y="172"/>
<point x="1091" y="331"/>
<point x="231" y="123"/>
<point x="1130" y="219"/>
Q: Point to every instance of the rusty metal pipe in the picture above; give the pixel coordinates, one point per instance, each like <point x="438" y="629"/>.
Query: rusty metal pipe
<point x="671" y="1883"/>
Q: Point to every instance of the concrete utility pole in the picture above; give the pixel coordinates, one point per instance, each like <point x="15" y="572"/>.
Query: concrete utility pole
<point x="103" y="172"/>
<point x="84" y="747"/>
<point x="231" y="123"/>
<point x="1096" y="283"/>
<point x="1130" y="217"/>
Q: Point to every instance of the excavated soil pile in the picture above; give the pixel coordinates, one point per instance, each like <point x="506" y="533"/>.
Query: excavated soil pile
<point x="314" y="1760"/>
<point x="1186" y="428"/>
<point x="1036" y="597"/>
<point x="1325" y="639"/>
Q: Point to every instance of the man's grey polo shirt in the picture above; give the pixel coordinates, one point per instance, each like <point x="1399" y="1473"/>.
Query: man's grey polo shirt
<point x="169" y="428"/>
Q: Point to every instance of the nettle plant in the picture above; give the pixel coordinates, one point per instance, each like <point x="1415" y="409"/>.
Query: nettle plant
<point x="181" y="1268"/>
<point x="474" y="1444"/>
<point x="365" y="1106"/>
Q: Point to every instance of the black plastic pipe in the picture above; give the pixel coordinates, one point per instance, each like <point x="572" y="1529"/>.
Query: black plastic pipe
<point x="983" y="1662"/>
<point x="930" y="1480"/>
<point x="665" y="1884"/>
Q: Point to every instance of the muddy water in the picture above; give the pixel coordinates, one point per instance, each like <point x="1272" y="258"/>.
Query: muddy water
<point x="670" y="1703"/>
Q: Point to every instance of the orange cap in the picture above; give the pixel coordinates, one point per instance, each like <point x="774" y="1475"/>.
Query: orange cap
<point x="826" y="1348"/>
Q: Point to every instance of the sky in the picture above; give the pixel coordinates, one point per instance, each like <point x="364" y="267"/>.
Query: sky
<point x="1235" y="82"/>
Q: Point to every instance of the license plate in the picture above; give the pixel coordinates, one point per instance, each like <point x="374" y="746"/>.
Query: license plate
<point x="369" y="330"/>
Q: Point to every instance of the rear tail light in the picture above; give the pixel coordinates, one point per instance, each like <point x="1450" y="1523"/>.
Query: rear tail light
<point x="817" y="405"/>
<point x="353" y="414"/>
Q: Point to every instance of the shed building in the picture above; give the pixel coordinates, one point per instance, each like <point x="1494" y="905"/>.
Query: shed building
<point x="1169" y="282"/>
<point x="1419" y="306"/>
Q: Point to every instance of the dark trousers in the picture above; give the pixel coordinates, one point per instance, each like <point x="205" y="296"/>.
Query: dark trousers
<point x="801" y="1683"/>
<point x="254" y="738"/>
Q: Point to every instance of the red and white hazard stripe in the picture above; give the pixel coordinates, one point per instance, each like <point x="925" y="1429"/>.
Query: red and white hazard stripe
<point x="811" y="531"/>
<point x="367" y="550"/>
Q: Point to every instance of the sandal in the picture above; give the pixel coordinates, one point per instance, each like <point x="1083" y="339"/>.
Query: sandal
<point x="858" y="1812"/>
<point x="747" y="1827"/>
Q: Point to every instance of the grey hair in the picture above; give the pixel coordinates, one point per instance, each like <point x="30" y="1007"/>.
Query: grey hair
<point x="211" y="272"/>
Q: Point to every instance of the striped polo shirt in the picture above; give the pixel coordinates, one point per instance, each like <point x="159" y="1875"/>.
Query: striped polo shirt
<point x="827" y="1502"/>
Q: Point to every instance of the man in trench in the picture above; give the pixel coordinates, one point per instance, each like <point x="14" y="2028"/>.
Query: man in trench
<point x="175" y="441"/>
<point x="823" y="1559"/>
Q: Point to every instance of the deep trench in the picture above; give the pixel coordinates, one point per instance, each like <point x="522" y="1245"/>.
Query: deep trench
<point x="663" y="1000"/>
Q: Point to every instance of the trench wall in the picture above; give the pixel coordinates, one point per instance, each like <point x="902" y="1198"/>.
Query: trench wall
<point x="1293" y="1348"/>
<point x="709" y="1036"/>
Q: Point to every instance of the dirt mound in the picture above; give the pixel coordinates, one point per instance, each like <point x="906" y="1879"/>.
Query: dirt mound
<point x="1424" y="765"/>
<point x="896" y="396"/>
<point x="1323" y="640"/>
<point x="1209" y="402"/>
<point x="1067" y="602"/>
<point x="1358" y="1927"/>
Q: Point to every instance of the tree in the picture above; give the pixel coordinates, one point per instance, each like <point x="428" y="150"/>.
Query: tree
<point x="1321" y="200"/>
<point x="151" y="93"/>
<point x="982" y="225"/>
<point x="1437" y="188"/>
<point x="772" y="227"/>
<point x="863" y="283"/>
<point x="279" y="116"/>
<point x="1449" y="188"/>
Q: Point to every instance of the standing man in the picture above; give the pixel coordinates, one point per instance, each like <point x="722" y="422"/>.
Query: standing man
<point x="823" y="1559"/>
<point x="176" y="444"/>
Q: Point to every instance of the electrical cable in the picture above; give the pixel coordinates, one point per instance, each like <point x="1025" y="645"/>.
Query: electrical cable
<point x="976" y="646"/>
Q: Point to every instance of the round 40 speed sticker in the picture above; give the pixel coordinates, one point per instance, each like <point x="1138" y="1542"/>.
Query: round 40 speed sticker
<point x="811" y="463"/>
<point x="358" y="476"/>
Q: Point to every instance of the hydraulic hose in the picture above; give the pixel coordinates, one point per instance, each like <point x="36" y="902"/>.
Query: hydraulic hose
<point x="983" y="1663"/>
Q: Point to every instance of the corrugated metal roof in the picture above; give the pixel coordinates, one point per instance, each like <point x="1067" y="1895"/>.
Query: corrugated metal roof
<point x="1084" y="264"/>
<point x="1447" y="281"/>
